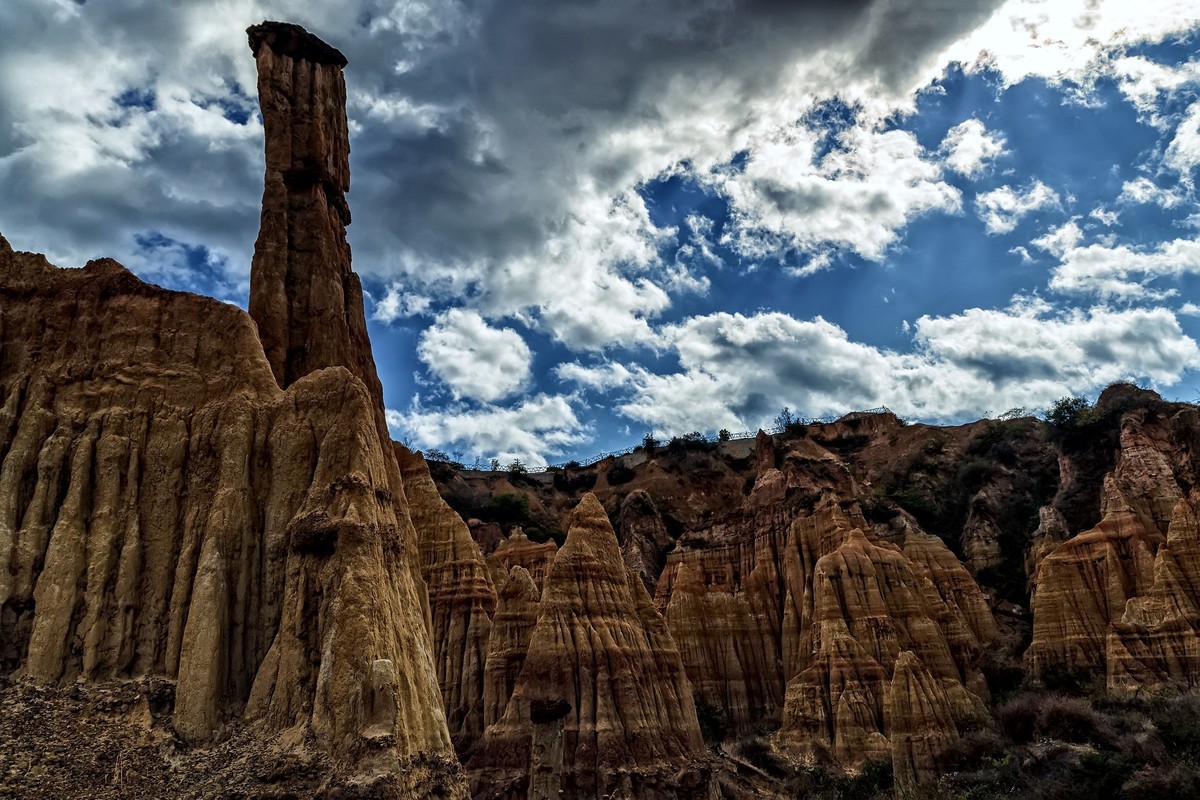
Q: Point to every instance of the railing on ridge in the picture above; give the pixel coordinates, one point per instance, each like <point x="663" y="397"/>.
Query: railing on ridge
<point x="710" y="439"/>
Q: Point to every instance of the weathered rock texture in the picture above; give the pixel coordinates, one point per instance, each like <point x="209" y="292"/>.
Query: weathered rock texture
<point x="1119" y="600"/>
<point x="876" y="619"/>
<point x="518" y="550"/>
<point x="789" y="608"/>
<point x="601" y="671"/>
<point x="462" y="598"/>
<point x="167" y="509"/>
<point x="808" y="625"/>
<point x="512" y="628"/>
<point x="304" y="296"/>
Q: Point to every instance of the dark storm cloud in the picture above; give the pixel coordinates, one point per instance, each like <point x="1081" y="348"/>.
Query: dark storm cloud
<point x="478" y="126"/>
<point x="532" y="95"/>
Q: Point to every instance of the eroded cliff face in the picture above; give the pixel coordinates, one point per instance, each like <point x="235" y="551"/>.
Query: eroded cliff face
<point x="175" y="502"/>
<point x="880" y="621"/>
<point x="168" y="510"/>
<point x="789" y="607"/>
<point x="796" y="608"/>
<point x="601" y="701"/>
<point x="462" y="598"/>
<point x="1118" y="602"/>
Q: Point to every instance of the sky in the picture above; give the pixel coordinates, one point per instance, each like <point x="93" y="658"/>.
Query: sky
<point x="578" y="222"/>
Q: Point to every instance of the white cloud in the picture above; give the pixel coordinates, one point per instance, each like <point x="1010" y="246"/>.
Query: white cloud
<point x="596" y="283"/>
<point x="1144" y="82"/>
<point x="737" y="371"/>
<point x="1183" y="153"/>
<point x="1068" y="39"/>
<point x="857" y="197"/>
<point x="969" y="147"/>
<point x="602" y="378"/>
<point x="474" y="359"/>
<point x="528" y="431"/>
<point x="1023" y="252"/>
<point x="1144" y="190"/>
<point x="398" y="303"/>
<point x="138" y="128"/>
<point x="1061" y="240"/>
<point x="1105" y="216"/>
<point x="1115" y="271"/>
<point x="1190" y="310"/>
<point x="1001" y="209"/>
<point x="489" y="172"/>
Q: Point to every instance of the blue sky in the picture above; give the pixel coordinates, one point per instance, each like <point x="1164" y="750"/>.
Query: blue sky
<point x="581" y="222"/>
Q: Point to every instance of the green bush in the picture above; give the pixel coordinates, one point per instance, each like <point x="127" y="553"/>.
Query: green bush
<point x="509" y="509"/>
<point x="1068" y="412"/>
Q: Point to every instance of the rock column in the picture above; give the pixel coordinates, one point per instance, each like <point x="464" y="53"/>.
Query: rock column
<point x="304" y="296"/>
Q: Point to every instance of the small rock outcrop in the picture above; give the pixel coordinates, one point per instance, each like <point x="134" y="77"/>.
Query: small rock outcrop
<point x="518" y="550"/>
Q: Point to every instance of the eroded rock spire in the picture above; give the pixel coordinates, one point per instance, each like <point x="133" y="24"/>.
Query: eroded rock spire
<point x="304" y="296"/>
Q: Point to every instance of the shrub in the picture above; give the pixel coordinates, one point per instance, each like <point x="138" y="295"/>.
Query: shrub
<point x="813" y="781"/>
<point x="1097" y="776"/>
<point x="972" y="749"/>
<point x="787" y="422"/>
<point x="508" y="509"/>
<point x="757" y="750"/>
<point x="974" y="473"/>
<point x="1067" y="412"/>
<point x="873" y="780"/>
<point x="1018" y="717"/>
<point x="1073" y="720"/>
<point x="620" y="474"/>
<point x="564" y="482"/>
<point x="714" y="722"/>
<point x="1178" y="723"/>
<point x="1181" y="780"/>
<point x="1053" y="716"/>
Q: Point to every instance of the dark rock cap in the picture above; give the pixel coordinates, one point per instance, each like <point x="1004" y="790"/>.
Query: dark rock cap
<point x="287" y="39"/>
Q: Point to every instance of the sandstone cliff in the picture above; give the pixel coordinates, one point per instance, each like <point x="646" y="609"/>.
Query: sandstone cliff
<point x="518" y="550"/>
<point x="1119" y="601"/>
<point x="789" y="607"/>
<point x="175" y="502"/>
